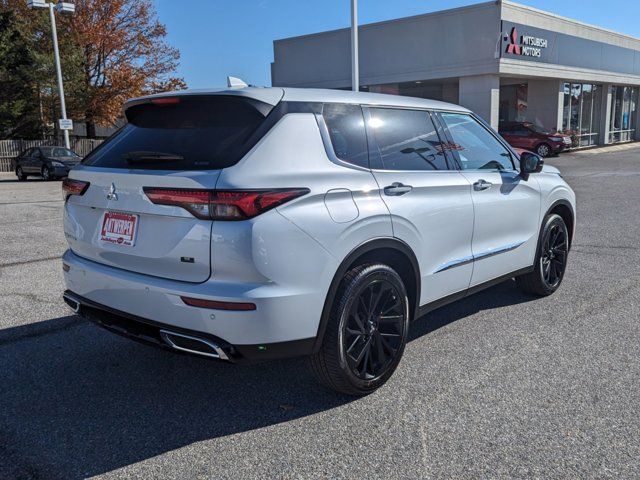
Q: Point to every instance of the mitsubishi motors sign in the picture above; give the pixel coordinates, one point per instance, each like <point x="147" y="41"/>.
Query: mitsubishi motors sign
<point x="525" y="45"/>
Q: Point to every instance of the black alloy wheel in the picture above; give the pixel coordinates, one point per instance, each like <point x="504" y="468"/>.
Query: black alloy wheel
<point x="20" y="174"/>
<point x="551" y="258"/>
<point x="372" y="332"/>
<point x="46" y="174"/>
<point x="366" y="331"/>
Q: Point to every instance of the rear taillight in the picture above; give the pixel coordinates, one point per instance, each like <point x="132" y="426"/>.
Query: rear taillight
<point x="234" y="306"/>
<point x="223" y="204"/>
<point x="73" y="187"/>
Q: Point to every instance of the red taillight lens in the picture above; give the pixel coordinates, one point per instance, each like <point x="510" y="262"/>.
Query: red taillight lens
<point x="73" y="187"/>
<point x="234" y="306"/>
<point x="223" y="204"/>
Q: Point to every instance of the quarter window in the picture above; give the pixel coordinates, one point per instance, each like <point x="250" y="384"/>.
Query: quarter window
<point x="473" y="146"/>
<point x="406" y="140"/>
<point x="346" y="131"/>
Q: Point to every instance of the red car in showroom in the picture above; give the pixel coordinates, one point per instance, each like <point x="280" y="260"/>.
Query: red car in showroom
<point x="534" y="138"/>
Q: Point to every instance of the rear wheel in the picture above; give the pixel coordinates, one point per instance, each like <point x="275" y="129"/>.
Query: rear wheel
<point x="20" y="174"/>
<point x="366" y="333"/>
<point x="544" y="150"/>
<point x="551" y="259"/>
<point x="47" y="175"/>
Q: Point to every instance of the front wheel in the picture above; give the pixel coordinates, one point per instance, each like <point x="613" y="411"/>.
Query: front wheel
<point x="366" y="331"/>
<point x="551" y="259"/>
<point x="20" y="174"/>
<point x="543" y="150"/>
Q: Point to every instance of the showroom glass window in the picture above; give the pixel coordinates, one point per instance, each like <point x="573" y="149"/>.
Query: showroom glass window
<point x="622" y="122"/>
<point x="581" y="113"/>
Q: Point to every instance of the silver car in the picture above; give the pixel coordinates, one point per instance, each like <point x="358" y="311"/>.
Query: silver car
<point x="261" y="223"/>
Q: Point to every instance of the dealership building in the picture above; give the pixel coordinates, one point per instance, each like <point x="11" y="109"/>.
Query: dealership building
<point x="503" y="60"/>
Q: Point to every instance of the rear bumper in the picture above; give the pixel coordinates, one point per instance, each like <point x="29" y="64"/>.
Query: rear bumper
<point x="158" y="334"/>
<point x="282" y="325"/>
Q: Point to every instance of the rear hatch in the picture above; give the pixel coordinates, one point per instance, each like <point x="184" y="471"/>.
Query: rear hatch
<point x="180" y="142"/>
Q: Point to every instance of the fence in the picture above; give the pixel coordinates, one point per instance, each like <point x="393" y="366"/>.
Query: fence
<point x="9" y="149"/>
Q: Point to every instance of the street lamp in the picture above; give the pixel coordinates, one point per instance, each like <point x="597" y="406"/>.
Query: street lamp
<point x="355" y="74"/>
<point x="61" y="7"/>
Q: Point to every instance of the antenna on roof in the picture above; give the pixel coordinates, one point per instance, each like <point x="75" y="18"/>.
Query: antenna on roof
<point x="234" y="82"/>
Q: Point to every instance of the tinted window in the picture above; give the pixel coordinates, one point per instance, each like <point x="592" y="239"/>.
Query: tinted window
<point x="406" y="140"/>
<point x="473" y="146"/>
<point x="346" y="130"/>
<point x="194" y="133"/>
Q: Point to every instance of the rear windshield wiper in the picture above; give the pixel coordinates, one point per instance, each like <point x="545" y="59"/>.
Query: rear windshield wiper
<point x="150" y="157"/>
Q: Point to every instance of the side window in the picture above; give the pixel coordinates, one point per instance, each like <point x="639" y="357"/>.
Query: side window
<point x="473" y="146"/>
<point x="406" y="140"/>
<point x="27" y="153"/>
<point x="346" y="130"/>
<point x="36" y="153"/>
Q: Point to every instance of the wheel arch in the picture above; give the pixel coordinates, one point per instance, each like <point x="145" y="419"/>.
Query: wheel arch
<point x="390" y="251"/>
<point x="565" y="210"/>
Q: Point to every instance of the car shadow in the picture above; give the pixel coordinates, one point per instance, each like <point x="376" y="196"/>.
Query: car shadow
<point x="77" y="401"/>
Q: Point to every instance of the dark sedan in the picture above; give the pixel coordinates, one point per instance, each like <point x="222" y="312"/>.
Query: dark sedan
<point x="46" y="162"/>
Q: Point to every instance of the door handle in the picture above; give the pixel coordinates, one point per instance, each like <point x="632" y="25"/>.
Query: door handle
<point x="482" y="185"/>
<point x="397" y="189"/>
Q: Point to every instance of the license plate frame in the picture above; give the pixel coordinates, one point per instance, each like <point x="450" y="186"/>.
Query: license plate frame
<point x="122" y="231"/>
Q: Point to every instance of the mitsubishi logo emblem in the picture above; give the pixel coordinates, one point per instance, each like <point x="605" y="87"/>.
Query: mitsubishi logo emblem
<point x="112" y="195"/>
<point x="513" y="47"/>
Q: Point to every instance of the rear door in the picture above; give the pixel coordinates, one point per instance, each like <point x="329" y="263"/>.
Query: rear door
<point x="430" y="202"/>
<point x="506" y="205"/>
<point x="180" y="145"/>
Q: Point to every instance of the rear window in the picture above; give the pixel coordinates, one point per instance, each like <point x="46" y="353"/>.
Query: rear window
<point x="346" y="130"/>
<point x="183" y="133"/>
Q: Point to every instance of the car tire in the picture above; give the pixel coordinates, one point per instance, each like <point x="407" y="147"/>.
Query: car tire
<point x="544" y="150"/>
<point x="551" y="259"/>
<point x="366" y="331"/>
<point x="47" y="175"/>
<point x="20" y="174"/>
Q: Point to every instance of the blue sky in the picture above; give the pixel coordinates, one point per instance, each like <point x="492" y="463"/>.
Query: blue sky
<point x="234" y="37"/>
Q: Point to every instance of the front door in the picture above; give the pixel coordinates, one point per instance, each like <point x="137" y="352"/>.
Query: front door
<point x="507" y="207"/>
<point x="429" y="201"/>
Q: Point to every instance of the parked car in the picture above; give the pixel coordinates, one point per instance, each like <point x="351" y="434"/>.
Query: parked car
<point x="261" y="223"/>
<point x="47" y="162"/>
<point x="534" y="138"/>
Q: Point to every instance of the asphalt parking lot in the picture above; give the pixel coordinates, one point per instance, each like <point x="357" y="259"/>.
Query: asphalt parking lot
<point x="500" y="385"/>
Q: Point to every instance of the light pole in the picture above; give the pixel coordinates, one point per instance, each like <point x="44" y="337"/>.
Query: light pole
<point x="61" y="7"/>
<point x="355" y="73"/>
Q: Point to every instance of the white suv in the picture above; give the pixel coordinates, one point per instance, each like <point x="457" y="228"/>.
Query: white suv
<point x="261" y="223"/>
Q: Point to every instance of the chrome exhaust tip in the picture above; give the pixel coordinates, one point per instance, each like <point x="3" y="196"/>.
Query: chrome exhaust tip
<point x="72" y="302"/>
<point x="194" y="345"/>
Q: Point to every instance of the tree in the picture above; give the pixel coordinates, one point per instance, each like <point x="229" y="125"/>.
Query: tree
<point x="123" y="53"/>
<point x="111" y="51"/>
<point x="20" y="114"/>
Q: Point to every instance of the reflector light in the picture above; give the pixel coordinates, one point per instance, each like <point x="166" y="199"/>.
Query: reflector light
<point x="215" y="305"/>
<point x="166" y="101"/>
<point x="223" y="204"/>
<point x="73" y="187"/>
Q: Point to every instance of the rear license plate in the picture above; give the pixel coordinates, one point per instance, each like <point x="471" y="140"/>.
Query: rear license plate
<point x="119" y="228"/>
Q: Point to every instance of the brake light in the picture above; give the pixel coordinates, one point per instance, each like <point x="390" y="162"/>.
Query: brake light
<point x="223" y="204"/>
<point x="165" y="101"/>
<point x="73" y="187"/>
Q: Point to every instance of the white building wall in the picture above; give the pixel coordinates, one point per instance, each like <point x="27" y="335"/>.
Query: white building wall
<point x="481" y="94"/>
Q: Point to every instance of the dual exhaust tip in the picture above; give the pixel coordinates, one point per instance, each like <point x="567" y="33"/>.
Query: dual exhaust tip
<point x="177" y="341"/>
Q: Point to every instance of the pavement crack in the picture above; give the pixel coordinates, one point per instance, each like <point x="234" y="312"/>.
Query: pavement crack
<point x="27" y="262"/>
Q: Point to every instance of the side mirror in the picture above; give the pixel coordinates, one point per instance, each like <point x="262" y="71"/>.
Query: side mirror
<point x="530" y="163"/>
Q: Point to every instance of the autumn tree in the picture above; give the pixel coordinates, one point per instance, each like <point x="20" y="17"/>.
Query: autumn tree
<point x="111" y="51"/>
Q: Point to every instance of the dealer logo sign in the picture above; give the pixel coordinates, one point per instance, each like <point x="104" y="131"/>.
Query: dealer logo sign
<point x="525" y="45"/>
